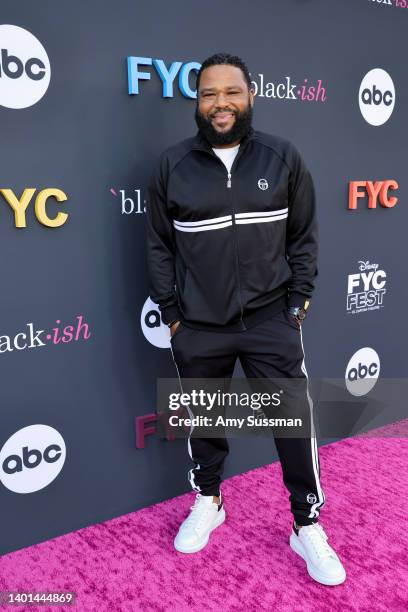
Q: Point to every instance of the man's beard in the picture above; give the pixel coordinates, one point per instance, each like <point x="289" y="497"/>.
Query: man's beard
<point x="240" y="128"/>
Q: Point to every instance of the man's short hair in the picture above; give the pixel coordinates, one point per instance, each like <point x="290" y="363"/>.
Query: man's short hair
<point x="219" y="59"/>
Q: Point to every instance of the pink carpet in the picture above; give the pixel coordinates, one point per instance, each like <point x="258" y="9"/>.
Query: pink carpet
<point x="129" y="563"/>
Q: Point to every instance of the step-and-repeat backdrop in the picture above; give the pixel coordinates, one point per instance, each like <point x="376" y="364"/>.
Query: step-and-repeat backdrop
<point x="90" y="94"/>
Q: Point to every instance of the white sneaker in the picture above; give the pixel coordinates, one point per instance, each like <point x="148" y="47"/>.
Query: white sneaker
<point x="195" y="531"/>
<point x="323" y="565"/>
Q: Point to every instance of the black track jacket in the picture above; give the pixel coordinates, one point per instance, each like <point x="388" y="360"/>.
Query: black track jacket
<point x="226" y="251"/>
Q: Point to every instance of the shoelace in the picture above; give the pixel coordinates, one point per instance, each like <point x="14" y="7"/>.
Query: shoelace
<point x="318" y="538"/>
<point x="199" y="512"/>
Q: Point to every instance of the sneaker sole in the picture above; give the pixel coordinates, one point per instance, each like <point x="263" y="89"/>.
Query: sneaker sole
<point x="203" y="543"/>
<point x="313" y="573"/>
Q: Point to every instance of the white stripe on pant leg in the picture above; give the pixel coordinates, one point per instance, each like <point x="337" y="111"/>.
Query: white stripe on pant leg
<point x="314" y="511"/>
<point x="190" y="474"/>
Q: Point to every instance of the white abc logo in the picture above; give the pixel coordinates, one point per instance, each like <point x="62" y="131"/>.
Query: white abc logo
<point x="25" y="70"/>
<point x="376" y="96"/>
<point x="32" y="458"/>
<point x="155" y="332"/>
<point x="263" y="184"/>
<point x="362" y="371"/>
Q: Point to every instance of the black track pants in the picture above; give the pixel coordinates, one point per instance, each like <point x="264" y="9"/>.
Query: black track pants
<point x="272" y="349"/>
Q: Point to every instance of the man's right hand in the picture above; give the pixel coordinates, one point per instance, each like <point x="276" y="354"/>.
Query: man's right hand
<point x="173" y="328"/>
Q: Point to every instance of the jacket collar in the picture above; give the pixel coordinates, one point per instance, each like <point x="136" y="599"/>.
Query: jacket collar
<point x="201" y="143"/>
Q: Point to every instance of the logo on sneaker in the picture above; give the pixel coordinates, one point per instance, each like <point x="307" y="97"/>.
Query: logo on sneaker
<point x="263" y="184"/>
<point x="311" y="498"/>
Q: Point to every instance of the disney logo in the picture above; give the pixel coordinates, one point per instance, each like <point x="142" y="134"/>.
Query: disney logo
<point x="365" y="265"/>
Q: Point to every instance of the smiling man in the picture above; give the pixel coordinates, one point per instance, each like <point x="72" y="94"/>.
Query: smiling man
<point x="232" y="259"/>
<point x="224" y="125"/>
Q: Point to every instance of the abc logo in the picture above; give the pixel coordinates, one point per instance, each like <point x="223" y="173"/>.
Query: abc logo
<point x="32" y="458"/>
<point x="376" y="96"/>
<point x="362" y="371"/>
<point x="153" y="329"/>
<point x="25" y="70"/>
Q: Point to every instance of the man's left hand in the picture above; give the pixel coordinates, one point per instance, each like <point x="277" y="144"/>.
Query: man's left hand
<point x="298" y="314"/>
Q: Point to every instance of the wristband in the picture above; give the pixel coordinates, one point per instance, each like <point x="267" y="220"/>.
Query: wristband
<point x="298" y="313"/>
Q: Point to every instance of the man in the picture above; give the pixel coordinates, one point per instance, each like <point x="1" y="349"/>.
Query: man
<point x="232" y="250"/>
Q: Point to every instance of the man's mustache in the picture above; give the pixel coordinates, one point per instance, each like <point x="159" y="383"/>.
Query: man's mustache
<point x="220" y="111"/>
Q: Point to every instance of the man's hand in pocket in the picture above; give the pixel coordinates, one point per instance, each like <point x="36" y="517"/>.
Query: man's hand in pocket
<point x="173" y="328"/>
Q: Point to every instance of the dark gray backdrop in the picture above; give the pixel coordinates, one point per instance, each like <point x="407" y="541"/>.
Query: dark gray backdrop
<point x="88" y="135"/>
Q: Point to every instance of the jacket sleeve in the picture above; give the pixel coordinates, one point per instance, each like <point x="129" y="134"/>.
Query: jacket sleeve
<point x="302" y="232"/>
<point x="161" y="246"/>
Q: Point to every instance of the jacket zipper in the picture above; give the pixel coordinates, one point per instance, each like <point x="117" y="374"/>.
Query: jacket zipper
<point x="229" y="186"/>
<point x="234" y="224"/>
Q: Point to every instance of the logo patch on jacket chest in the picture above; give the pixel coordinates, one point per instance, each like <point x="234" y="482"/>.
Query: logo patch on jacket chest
<point x="263" y="184"/>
